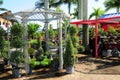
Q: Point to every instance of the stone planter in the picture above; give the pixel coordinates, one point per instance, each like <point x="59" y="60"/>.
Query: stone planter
<point x="17" y="73"/>
<point x="70" y="69"/>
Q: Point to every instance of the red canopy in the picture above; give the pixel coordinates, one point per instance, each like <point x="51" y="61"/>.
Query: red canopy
<point x="111" y="20"/>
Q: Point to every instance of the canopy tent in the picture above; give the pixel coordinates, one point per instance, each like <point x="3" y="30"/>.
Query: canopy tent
<point x="113" y="18"/>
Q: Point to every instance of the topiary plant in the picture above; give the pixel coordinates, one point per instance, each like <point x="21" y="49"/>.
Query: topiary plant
<point x="69" y="56"/>
<point x="17" y="57"/>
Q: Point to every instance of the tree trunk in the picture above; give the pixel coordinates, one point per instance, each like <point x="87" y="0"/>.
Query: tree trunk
<point x="85" y="27"/>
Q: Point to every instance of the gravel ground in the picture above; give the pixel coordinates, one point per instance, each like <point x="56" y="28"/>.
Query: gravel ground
<point x="87" y="68"/>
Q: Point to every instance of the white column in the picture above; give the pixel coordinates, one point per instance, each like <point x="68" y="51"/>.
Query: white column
<point x="46" y="4"/>
<point x="47" y="35"/>
<point x="25" y="47"/>
<point x="60" y="44"/>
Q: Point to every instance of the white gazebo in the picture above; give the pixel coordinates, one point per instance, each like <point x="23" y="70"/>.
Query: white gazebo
<point x="46" y="16"/>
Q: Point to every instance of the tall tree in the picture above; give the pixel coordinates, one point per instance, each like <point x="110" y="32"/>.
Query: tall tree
<point x="110" y="4"/>
<point x="54" y="3"/>
<point x="2" y="9"/>
<point x="97" y="13"/>
<point x="69" y="2"/>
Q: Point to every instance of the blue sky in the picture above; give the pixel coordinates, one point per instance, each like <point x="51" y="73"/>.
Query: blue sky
<point x="18" y="5"/>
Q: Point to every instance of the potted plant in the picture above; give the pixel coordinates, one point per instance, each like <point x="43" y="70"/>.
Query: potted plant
<point x="16" y="59"/>
<point x="69" y="56"/>
<point x="16" y="56"/>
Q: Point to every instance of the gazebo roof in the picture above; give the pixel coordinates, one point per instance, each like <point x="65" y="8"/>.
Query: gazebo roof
<point x="40" y="14"/>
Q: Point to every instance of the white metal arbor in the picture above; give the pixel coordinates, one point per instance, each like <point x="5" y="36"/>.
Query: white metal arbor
<point x="46" y="16"/>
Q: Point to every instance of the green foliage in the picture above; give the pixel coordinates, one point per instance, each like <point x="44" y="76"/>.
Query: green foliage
<point x="31" y="51"/>
<point x="17" y="42"/>
<point x="16" y="57"/>
<point x="16" y="34"/>
<point x="32" y="41"/>
<point x="17" y="30"/>
<point x="102" y="32"/>
<point x="4" y="53"/>
<point x="47" y="53"/>
<point x="39" y="54"/>
<point x="2" y="31"/>
<point x="97" y="13"/>
<point x="51" y="32"/>
<point x="75" y="40"/>
<point x="38" y="64"/>
<point x="110" y="4"/>
<point x="69" y="56"/>
<point x="58" y="9"/>
<point x="45" y="62"/>
<point x="112" y="30"/>
<point x="91" y="32"/>
<point x="32" y="29"/>
<point x="72" y="30"/>
<point x="2" y="40"/>
<point x="39" y="43"/>
<point x="2" y="43"/>
<point x="1" y="2"/>
<point x="81" y="49"/>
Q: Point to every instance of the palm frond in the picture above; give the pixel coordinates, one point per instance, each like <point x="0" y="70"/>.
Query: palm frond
<point x="3" y="9"/>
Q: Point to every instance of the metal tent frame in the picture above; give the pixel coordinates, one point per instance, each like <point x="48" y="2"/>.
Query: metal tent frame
<point x="103" y="19"/>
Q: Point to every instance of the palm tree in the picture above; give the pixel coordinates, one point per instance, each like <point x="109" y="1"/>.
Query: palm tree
<point x="54" y="3"/>
<point x="97" y="13"/>
<point x="69" y="2"/>
<point x="2" y="9"/>
<point x="110" y="4"/>
<point x="82" y="14"/>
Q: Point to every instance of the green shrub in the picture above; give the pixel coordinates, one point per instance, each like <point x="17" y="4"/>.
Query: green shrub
<point x="17" y="42"/>
<point x="31" y="51"/>
<point x="69" y="56"/>
<point x="81" y="49"/>
<point x="37" y="64"/>
<point x="16" y="30"/>
<point x="17" y="57"/>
